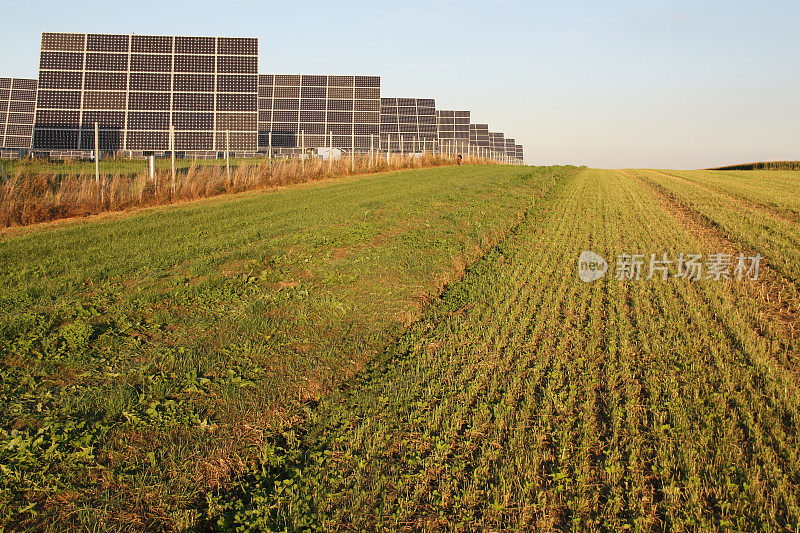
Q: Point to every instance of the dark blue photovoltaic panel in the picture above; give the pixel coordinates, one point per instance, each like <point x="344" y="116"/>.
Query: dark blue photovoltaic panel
<point x="318" y="109"/>
<point x="17" y="106"/>
<point x="135" y="86"/>
<point x="453" y="128"/>
<point x="479" y="135"/>
<point x="497" y="142"/>
<point x="408" y="124"/>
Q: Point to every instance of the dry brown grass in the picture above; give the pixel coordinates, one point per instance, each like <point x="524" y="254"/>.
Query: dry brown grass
<point x="32" y="198"/>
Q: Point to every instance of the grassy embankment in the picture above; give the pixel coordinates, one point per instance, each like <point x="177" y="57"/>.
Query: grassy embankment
<point x="39" y="191"/>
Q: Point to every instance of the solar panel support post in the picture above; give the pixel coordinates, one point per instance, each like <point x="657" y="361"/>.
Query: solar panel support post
<point x="353" y="149"/>
<point x="269" y="146"/>
<point x="303" y="151"/>
<point x="371" y="150"/>
<point x="151" y="159"/>
<point x="172" y="154"/>
<point x="96" y="153"/>
<point x="3" y="173"/>
<point x="228" y="154"/>
<point x="330" y="149"/>
<point x="402" y="146"/>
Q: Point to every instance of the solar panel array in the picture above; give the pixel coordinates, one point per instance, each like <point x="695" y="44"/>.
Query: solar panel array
<point x="17" y="106"/>
<point x="348" y="107"/>
<point x="479" y="135"/>
<point x="136" y="86"/>
<point x="208" y="88"/>
<point x="408" y="124"/>
<point x="453" y="127"/>
<point x="519" y="153"/>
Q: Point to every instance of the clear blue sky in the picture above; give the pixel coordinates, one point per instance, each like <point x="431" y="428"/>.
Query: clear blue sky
<point x="611" y="84"/>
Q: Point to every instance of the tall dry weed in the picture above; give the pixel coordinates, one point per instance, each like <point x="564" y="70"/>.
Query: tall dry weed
<point x="29" y="199"/>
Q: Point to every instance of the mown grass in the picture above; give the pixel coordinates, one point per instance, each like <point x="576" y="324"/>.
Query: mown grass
<point x="770" y="189"/>
<point x="771" y="231"/>
<point x="145" y="357"/>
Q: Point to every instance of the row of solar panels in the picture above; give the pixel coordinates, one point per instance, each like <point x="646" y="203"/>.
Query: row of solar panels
<point x="136" y="86"/>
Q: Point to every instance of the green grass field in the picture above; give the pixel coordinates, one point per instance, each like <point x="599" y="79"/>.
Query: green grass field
<point x="146" y="355"/>
<point x="311" y="358"/>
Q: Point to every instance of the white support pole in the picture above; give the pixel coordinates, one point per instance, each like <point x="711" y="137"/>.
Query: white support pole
<point x="388" y="147"/>
<point x="152" y="165"/>
<point x="172" y="152"/>
<point x="96" y="153"/>
<point x="303" y="151"/>
<point x="269" y="146"/>
<point x="371" y="150"/>
<point x="402" y="146"/>
<point x="330" y="150"/>
<point x="352" y="150"/>
<point x="228" y="153"/>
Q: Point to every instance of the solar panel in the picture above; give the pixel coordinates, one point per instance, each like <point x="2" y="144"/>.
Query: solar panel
<point x="497" y="143"/>
<point x="453" y="128"/>
<point x="17" y="107"/>
<point x="519" y="153"/>
<point x="511" y="147"/>
<point x="316" y="107"/>
<point x="408" y="124"/>
<point x="136" y="86"/>
<point x="479" y="135"/>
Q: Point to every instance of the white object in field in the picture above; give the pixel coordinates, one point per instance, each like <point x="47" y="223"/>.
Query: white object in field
<point x="330" y="154"/>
